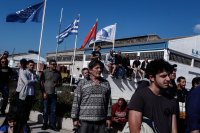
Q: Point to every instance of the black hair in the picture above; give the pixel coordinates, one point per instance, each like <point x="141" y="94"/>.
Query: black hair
<point x="23" y="61"/>
<point x="30" y="61"/>
<point x="85" y="68"/>
<point x="174" y="66"/>
<point x="195" y="80"/>
<point x="11" y="116"/>
<point x="93" y="63"/>
<point x="158" y="66"/>
<point x="179" y="78"/>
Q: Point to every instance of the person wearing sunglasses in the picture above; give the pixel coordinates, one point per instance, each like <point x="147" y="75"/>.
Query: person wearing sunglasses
<point x="50" y="80"/>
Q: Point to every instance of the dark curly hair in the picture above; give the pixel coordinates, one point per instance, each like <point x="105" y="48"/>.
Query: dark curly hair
<point x="158" y="66"/>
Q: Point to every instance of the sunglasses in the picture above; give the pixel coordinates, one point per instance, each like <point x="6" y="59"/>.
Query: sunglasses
<point x="3" y="61"/>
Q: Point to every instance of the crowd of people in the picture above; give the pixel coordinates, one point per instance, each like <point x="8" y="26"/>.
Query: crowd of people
<point x="159" y="99"/>
<point x="119" y="65"/>
<point x="27" y="82"/>
<point x="160" y="104"/>
<point x="18" y="115"/>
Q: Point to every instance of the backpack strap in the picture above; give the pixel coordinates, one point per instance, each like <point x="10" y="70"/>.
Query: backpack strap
<point x="150" y="123"/>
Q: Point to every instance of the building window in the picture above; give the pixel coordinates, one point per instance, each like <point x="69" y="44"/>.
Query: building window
<point x="66" y="58"/>
<point x="50" y="58"/>
<point x="152" y="55"/>
<point x="196" y="63"/>
<point x="132" y="56"/>
<point x="180" y="58"/>
<point x="88" y="58"/>
<point x="79" y="58"/>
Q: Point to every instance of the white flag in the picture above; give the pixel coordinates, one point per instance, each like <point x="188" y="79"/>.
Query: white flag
<point x="106" y="34"/>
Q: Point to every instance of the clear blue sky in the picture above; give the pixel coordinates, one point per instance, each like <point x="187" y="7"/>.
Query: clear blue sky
<point x="166" y="18"/>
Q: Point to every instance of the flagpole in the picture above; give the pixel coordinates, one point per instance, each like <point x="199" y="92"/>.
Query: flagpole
<point x="94" y="45"/>
<point x="73" y="61"/>
<point x="41" y="33"/>
<point x="74" y="57"/>
<point x="59" y="33"/>
<point x="114" y="36"/>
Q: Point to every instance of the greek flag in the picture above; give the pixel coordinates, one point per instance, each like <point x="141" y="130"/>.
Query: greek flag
<point x="32" y="13"/>
<point x="71" y="29"/>
<point x="106" y="34"/>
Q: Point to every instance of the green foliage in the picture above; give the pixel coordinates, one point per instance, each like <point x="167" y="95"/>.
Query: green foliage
<point x="38" y="105"/>
<point x="64" y="99"/>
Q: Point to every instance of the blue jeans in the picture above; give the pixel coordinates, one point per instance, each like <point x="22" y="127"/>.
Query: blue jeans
<point x="120" y="71"/>
<point x="49" y="111"/>
<point x="5" y="94"/>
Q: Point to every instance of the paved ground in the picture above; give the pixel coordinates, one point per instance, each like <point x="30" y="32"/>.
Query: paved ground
<point x="36" y="128"/>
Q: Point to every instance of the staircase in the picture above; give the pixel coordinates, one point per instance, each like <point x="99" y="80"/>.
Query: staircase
<point x="122" y="88"/>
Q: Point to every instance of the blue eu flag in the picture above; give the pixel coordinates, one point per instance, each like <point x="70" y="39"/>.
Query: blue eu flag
<point x="32" y="13"/>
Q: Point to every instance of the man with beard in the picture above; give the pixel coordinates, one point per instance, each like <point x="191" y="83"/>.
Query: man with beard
<point x="148" y="101"/>
<point x="181" y="99"/>
<point x="170" y="92"/>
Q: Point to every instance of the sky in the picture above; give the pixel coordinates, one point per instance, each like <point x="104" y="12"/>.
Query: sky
<point x="165" y="18"/>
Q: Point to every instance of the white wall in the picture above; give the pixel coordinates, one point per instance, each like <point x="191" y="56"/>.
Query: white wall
<point x="186" y="45"/>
